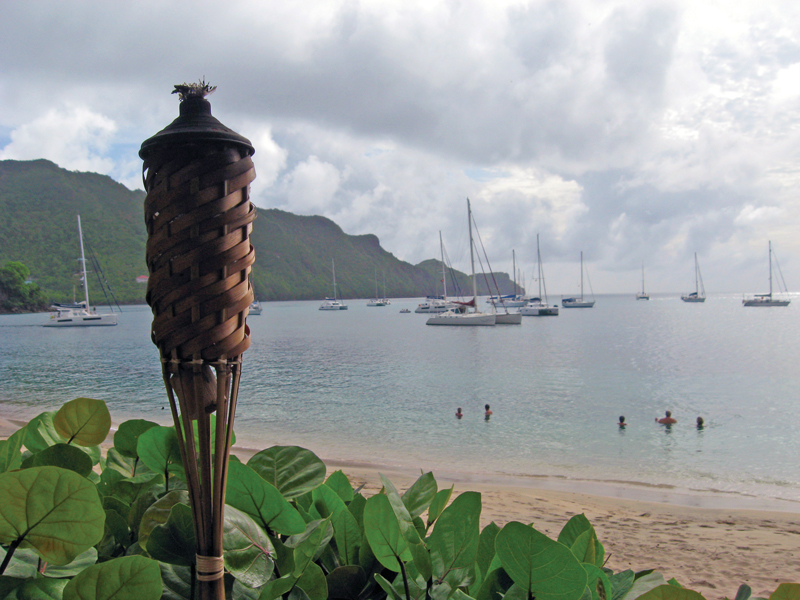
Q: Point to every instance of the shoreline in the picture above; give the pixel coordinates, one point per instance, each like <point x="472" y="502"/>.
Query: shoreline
<point x="710" y="543"/>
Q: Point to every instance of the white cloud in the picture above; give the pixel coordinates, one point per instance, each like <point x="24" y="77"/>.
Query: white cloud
<point x="75" y="138"/>
<point x="311" y="186"/>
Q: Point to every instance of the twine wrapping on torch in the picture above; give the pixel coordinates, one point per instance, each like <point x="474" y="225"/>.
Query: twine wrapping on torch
<point x="199" y="218"/>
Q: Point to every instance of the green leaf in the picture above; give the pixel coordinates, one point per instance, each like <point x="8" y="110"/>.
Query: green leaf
<point x="486" y="549"/>
<point x="158" y="513"/>
<point x="387" y="587"/>
<point x="127" y="436"/>
<point x="383" y="533"/>
<point x="308" y="545"/>
<point x="346" y="582"/>
<point x="84" y="421"/>
<point x="597" y="582"/>
<point x="293" y="470"/>
<point x="643" y="582"/>
<point x="356" y="508"/>
<point x="177" y="582"/>
<point x="81" y="562"/>
<point x="126" y="578"/>
<point x="41" y="589"/>
<point x="10" y="454"/>
<point x="66" y="457"/>
<point x="454" y="540"/>
<point x="621" y="582"/>
<point x="419" y="496"/>
<point x="313" y="582"/>
<point x="407" y="527"/>
<point x="174" y="541"/>
<point x="261" y="500"/>
<point x="786" y="591"/>
<point x="345" y="528"/>
<point x="340" y="484"/>
<point x="539" y="565"/>
<point x="41" y="433"/>
<point x="54" y="511"/>
<point x="246" y="549"/>
<point x="158" y="449"/>
<point x="579" y="536"/>
<point x="744" y="592"/>
<point x="495" y="585"/>
<point x="671" y="592"/>
<point x="438" y="503"/>
<point x="278" y="587"/>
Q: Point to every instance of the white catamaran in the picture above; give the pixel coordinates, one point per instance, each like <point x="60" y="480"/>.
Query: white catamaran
<point x="333" y="303"/>
<point x="579" y="302"/>
<point x="767" y="299"/>
<point x="699" y="293"/>
<point x="469" y="318"/>
<point x="80" y="314"/>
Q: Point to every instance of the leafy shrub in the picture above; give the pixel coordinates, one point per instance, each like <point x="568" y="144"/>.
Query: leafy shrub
<point x="77" y="525"/>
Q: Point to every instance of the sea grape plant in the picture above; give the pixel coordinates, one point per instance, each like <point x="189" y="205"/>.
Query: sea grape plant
<point x="79" y="524"/>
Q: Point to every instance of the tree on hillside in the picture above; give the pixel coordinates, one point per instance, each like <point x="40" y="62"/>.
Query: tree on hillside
<point x="17" y="294"/>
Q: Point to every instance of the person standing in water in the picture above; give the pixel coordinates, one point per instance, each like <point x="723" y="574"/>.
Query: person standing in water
<point x="622" y="424"/>
<point x="459" y="414"/>
<point x="667" y="420"/>
<point x="488" y="412"/>
<point x="700" y="423"/>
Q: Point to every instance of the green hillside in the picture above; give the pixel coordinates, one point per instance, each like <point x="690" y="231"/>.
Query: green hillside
<point x="39" y="202"/>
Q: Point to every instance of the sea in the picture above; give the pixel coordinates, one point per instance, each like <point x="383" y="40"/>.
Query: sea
<point x="375" y="386"/>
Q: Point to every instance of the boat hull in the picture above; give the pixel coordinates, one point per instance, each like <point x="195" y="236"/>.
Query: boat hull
<point x="539" y="311"/>
<point x="508" y="319"/>
<point x="577" y="304"/>
<point x="765" y="303"/>
<point x="693" y="298"/>
<point x="82" y="320"/>
<point x="453" y="319"/>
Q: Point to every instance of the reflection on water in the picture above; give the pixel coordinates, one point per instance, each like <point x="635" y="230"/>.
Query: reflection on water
<point x="377" y="385"/>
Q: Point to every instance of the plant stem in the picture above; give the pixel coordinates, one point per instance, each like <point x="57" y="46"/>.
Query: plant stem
<point x="405" y="578"/>
<point x="9" y="554"/>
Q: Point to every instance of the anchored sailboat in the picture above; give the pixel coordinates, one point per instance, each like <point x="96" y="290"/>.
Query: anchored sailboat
<point x="643" y="295"/>
<point x="536" y="307"/>
<point x="475" y="317"/>
<point x="333" y="303"/>
<point x="699" y="293"/>
<point x="80" y="314"/>
<point x="767" y="299"/>
<point x="578" y="302"/>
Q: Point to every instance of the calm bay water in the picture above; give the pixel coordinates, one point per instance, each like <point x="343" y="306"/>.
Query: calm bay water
<point x="374" y="385"/>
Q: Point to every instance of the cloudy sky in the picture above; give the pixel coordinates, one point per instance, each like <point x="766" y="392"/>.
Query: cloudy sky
<point x="637" y="132"/>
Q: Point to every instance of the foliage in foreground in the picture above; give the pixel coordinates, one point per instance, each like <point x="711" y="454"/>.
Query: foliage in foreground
<point x="78" y="525"/>
<point x="16" y="294"/>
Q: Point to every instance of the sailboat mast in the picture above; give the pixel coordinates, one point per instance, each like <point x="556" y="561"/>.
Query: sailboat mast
<point x="581" y="275"/>
<point x="696" y="282"/>
<point x="83" y="265"/>
<point x="444" y="278"/>
<point x="539" y="265"/>
<point x="514" y="270"/>
<point x="642" y="278"/>
<point x="472" y="257"/>
<point x="770" y="269"/>
<point x="333" y="270"/>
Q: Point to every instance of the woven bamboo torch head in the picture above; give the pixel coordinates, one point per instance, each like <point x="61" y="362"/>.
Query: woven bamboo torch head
<point x="199" y="217"/>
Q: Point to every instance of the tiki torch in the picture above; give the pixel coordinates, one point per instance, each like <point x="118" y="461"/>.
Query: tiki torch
<point x="199" y="217"/>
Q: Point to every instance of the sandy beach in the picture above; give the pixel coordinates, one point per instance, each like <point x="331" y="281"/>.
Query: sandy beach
<point x="710" y="549"/>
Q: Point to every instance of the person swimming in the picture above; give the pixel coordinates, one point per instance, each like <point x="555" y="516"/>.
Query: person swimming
<point x="459" y="414"/>
<point x="622" y="424"/>
<point x="667" y="420"/>
<point x="488" y="412"/>
<point x="700" y="422"/>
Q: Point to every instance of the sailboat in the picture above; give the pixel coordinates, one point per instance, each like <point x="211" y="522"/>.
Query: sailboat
<point x="514" y="300"/>
<point x="699" y="293"/>
<point x="578" y="302"/>
<point x="376" y="301"/>
<point x="255" y="308"/>
<point x="333" y="303"/>
<point x="767" y="299"/>
<point x="80" y="314"/>
<point x="536" y="307"/>
<point x="456" y="317"/>
<point x="437" y="304"/>
<point x="642" y="295"/>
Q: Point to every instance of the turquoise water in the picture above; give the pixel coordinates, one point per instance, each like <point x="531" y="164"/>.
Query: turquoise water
<point x="374" y="385"/>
